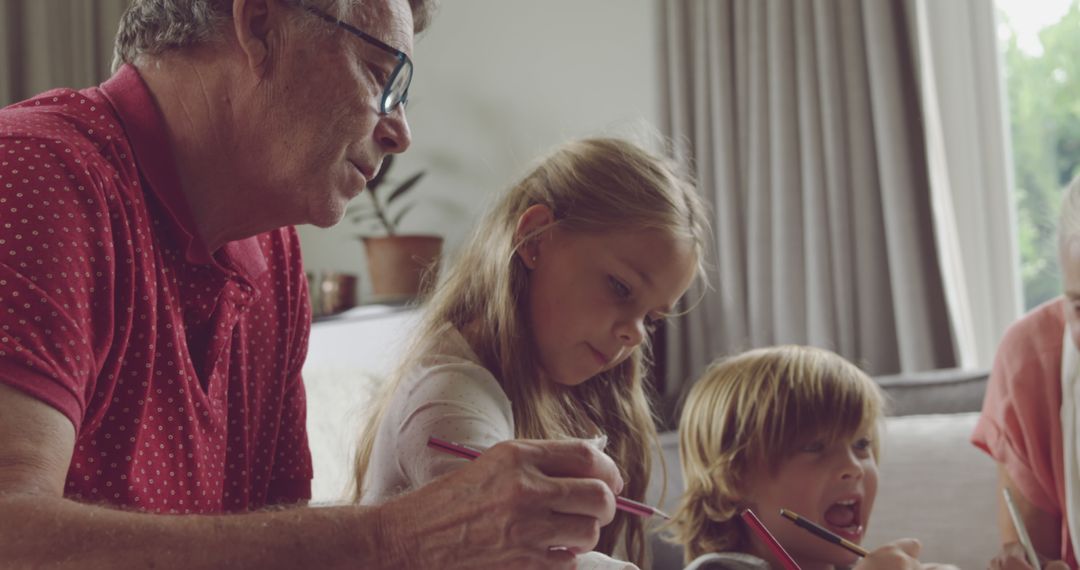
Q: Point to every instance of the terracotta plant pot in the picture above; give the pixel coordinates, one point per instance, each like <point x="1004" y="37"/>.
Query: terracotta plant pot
<point x="398" y="264"/>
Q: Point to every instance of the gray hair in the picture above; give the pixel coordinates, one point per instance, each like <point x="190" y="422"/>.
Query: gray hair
<point x="1069" y="218"/>
<point x="152" y="27"/>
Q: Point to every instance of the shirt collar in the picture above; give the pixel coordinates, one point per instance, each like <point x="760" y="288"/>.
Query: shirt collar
<point x="146" y="130"/>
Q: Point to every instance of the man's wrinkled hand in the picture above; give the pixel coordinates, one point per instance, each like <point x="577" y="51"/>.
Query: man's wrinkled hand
<point x="521" y="505"/>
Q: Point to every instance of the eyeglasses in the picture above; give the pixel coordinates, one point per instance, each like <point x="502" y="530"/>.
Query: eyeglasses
<point x="396" y="89"/>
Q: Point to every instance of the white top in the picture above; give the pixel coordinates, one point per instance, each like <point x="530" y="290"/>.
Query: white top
<point x="447" y="394"/>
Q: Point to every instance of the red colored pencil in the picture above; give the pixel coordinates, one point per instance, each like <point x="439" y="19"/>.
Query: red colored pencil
<point x="466" y="452"/>
<point x="763" y="533"/>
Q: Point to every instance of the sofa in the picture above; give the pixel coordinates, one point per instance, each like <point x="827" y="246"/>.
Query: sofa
<point x="934" y="485"/>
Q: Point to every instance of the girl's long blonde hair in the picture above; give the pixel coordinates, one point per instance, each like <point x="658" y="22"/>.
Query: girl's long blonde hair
<point x="591" y="186"/>
<point x="745" y="416"/>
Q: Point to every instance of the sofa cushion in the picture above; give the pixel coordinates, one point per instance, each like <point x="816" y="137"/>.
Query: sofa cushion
<point x="338" y="403"/>
<point x="349" y="358"/>
<point x="937" y="487"/>
<point x="935" y="392"/>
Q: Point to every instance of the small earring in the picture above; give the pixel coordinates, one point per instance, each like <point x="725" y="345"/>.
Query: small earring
<point x="534" y="259"/>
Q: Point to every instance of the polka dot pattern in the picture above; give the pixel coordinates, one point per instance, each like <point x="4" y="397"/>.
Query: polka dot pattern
<point x="182" y="378"/>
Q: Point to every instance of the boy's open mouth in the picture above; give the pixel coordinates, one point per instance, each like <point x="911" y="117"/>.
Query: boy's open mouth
<point x="845" y="519"/>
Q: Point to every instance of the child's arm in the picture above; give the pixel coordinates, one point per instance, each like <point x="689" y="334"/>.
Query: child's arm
<point x="1043" y="528"/>
<point x="901" y="554"/>
<point x="1013" y="557"/>
<point x="459" y="403"/>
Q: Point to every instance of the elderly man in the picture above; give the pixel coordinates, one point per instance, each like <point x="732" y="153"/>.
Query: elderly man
<point x="154" y="316"/>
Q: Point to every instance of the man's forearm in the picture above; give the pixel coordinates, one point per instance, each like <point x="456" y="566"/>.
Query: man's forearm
<point x="47" y="532"/>
<point x="501" y="511"/>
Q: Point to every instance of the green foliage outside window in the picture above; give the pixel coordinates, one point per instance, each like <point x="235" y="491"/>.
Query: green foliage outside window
<point x="1044" y="112"/>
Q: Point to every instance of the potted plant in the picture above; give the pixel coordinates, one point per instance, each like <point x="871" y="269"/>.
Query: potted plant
<point x="397" y="263"/>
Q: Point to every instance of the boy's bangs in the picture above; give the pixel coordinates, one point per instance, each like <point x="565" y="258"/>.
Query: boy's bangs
<point x="821" y="403"/>
<point x="832" y="412"/>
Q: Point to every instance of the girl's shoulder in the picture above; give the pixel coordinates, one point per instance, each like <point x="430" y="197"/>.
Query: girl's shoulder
<point x="728" y="561"/>
<point x="449" y="371"/>
<point x="446" y="346"/>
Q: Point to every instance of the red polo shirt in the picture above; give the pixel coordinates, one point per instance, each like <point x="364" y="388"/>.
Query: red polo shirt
<point x="180" y="369"/>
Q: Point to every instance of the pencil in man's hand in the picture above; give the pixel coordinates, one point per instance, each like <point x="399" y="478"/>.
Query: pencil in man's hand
<point x="621" y="503"/>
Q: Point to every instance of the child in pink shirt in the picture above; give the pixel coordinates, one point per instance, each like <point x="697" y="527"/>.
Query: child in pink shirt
<point x="1020" y="425"/>
<point x="1034" y="391"/>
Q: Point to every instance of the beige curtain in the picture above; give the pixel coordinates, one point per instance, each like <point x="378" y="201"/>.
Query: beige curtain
<point x="55" y="43"/>
<point x="971" y="171"/>
<point x="802" y="121"/>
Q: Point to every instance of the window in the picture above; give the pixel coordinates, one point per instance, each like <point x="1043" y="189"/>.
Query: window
<point x="1041" y="54"/>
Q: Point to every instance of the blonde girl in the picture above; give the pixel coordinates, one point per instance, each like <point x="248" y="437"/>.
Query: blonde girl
<point x="541" y="328"/>
<point x="789" y="427"/>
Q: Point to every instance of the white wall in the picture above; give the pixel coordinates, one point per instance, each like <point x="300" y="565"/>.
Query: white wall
<point x="499" y="82"/>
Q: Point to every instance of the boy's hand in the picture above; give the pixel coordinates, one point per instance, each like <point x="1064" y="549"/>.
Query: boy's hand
<point x="901" y="554"/>
<point x="1013" y="557"/>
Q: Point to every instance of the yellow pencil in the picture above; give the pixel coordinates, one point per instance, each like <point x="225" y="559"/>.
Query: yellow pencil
<point x="823" y="533"/>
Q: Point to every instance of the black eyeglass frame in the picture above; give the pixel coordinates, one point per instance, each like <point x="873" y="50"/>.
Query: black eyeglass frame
<point x="404" y="64"/>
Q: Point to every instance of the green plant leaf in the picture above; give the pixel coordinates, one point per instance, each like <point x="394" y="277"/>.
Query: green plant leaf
<point x="377" y="180"/>
<point x="401" y="214"/>
<point x="405" y="186"/>
<point x="366" y="216"/>
<point x="359" y="208"/>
